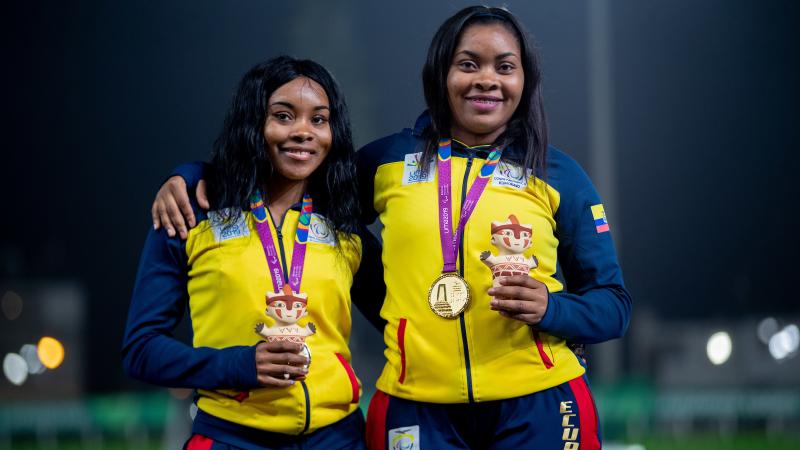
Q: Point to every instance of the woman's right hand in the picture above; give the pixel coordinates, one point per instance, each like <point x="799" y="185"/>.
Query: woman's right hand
<point x="171" y="208"/>
<point x="274" y="360"/>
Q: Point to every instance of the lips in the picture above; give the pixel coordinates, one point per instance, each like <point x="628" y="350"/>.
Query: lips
<point x="484" y="102"/>
<point x="298" y="153"/>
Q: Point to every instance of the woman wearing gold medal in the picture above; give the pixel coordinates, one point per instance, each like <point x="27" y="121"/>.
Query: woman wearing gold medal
<point x="477" y="353"/>
<point x="266" y="275"/>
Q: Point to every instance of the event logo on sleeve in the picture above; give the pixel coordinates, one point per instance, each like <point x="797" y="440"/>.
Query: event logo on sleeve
<point x="416" y="172"/>
<point x="228" y="225"/>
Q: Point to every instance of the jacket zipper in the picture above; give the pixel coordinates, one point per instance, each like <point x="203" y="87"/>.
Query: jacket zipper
<point x="278" y="231"/>
<point x="461" y="272"/>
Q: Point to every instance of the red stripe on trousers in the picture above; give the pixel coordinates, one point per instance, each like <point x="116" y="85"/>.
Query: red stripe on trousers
<point x="547" y="363"/>
<point x="351" y="375"/>
<point x="587" y="414"/>
<point x="376" y="421"/>
<point x="198" y="442"/>
<point x="401" y="343"/>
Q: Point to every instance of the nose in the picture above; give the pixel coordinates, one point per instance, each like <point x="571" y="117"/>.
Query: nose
<point x="301" y="132"/>
<point x="486" y="79"/>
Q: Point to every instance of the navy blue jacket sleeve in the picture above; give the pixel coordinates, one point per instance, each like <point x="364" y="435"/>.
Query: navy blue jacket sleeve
<point x="595" y="306"/>
<point x="150" y="352"/>
<point x="191" y="172"/>
<point x="366" y="166"/>
<point x="369" y="289"/>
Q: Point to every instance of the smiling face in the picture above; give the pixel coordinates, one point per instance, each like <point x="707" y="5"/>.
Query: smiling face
<point x="485" y="83"/>
<point x="513" y="242"/>
<point x="286" y="311"/>
<point x="511" y="237"/>
<point x="297" y="129"/>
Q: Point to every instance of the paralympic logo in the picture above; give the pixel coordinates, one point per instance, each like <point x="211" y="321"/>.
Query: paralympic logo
<point x="403" y="441"/>
<point x="320" y="230"/>
<point x="511" y="171"/>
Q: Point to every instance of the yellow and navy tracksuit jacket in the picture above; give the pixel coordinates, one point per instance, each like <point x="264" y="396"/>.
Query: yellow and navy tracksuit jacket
<point x="481" y="355"/>
<point x="220" y="273"/>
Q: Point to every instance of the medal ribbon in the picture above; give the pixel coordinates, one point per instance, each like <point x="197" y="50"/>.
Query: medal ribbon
<point x="450" y="242"/>
<point x="298" y="254"/>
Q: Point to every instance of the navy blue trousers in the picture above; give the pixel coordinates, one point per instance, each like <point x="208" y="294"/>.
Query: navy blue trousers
<point x="211" y="433"/>
<point x="563" y="418"/>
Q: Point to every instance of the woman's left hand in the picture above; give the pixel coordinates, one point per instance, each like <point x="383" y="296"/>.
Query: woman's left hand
<point x="520" y="297"/>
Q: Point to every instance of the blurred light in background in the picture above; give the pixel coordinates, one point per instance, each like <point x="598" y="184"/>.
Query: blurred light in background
<point x="11" y="305"/>
<point x="719" y="347"/>
<point x="783" y="344"/>
<point x="767" y="328"/>
<point x="51" y="352"/>
<point x="15" y="368"/>
<point x="31" y="357"/>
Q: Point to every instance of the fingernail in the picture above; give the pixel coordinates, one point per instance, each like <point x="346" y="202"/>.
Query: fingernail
<point x="155" y="227"/>
<point x="170" y="232"/>
<point x="493" y="302"/>
<point x="291" y="382"/>
<point x="491" y="291"/>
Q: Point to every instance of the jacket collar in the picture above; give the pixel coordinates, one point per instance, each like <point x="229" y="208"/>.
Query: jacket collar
<point x="513" y="153"/>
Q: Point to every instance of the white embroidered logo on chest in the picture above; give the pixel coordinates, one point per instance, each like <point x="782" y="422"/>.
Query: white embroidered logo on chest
<point x="236" y="227"/>
<point x="319" y="232"/>
<point x="510" y="175"/>
<point x="416" y="172"/>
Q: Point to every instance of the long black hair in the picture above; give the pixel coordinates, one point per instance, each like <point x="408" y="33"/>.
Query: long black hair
<point x="240" y="161"/>
<point x="527" y="129"/>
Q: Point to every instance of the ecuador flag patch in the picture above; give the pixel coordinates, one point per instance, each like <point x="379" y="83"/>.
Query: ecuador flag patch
<point x="600" y="221"/>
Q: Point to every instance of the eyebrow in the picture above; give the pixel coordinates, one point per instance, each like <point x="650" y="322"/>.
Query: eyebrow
<point x="289" y="105"/>
<point x="474" y="55"/>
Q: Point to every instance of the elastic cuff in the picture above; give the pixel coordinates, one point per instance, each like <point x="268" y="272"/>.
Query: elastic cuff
<point x="549" y="313"/>
<point x="247" y="375"/>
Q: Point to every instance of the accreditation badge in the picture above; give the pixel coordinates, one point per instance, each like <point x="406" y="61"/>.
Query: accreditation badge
<point x="448" y="296"/>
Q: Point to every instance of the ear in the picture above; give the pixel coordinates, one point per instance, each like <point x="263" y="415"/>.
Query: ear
<point x="493" y="241"/>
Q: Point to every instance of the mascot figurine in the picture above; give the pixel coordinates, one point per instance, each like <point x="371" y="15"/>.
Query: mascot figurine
<point x="287" y="308"/>
<point x="511" y="239"/>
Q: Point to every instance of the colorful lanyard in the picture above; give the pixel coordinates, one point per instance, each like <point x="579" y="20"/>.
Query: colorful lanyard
<point x="450" y="242"/>
<point x="298" y="254"/>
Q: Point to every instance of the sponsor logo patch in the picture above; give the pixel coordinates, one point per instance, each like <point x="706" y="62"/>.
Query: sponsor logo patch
<point x="235" y="227"/>
<point x="404" y="438"/>
<point x="599" y="216"/>
<point x="509" y="174"/>
<point x="416" y="172"/>
<point x="319" y="232"/>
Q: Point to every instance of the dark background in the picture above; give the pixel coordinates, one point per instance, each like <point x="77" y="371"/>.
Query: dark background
<point x="102" y="99"/>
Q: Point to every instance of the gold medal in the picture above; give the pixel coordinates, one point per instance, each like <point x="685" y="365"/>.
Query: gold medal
<point x="448" y="296"/>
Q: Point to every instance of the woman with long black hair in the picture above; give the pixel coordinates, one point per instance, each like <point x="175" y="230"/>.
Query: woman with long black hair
<point x="477" y="353"/>
<point x="283" y="237"/>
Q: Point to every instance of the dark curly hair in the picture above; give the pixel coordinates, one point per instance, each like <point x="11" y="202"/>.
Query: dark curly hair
<point x="240" y="163"/>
